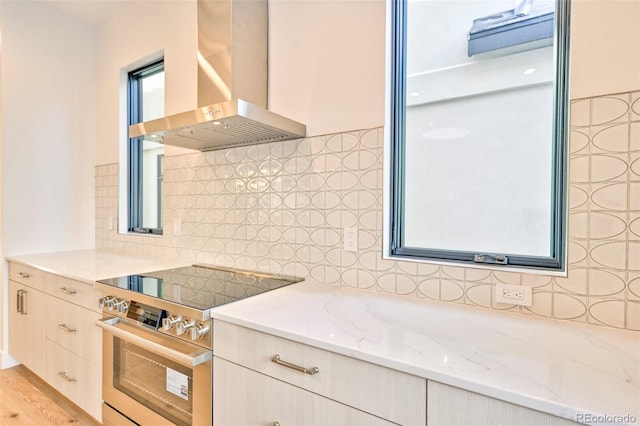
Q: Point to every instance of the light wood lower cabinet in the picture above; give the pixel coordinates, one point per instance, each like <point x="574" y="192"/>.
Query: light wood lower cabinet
<point x="52" y="331"/>
<point x="388" y="394"/>
<point x="73" y="348"/>
<point x="343" y="391"/>
<point x="74" y="328"/>
<point x="26" y="334"/>
<point x="245" y="397"/>
<point x="451" y="406"/>
<point x="73" y="342"/>
<point x="74" y="377"/>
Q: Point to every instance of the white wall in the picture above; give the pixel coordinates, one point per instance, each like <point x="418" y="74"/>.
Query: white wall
<point x="326" y="63"/>
<point x="48" y="130"/>
<point x="3" y="290"/>
<point x="605" y="47"/>
<point x="139" y="30"/>
<point x="326" y="59"/>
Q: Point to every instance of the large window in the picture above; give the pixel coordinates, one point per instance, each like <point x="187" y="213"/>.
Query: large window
<point x="479" y="132"/>
<point x="146" y="102"/>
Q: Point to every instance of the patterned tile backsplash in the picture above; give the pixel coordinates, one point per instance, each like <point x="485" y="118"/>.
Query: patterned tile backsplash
<point x="281" y="208"/>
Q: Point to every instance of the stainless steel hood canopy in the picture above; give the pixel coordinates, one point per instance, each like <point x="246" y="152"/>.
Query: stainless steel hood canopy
<point x="232" y="84"/>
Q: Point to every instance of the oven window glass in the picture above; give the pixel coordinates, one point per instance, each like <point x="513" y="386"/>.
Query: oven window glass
<point x="154" y="381"/>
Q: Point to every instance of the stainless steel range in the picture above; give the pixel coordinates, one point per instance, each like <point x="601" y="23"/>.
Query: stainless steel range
<point x="157" y="344"/>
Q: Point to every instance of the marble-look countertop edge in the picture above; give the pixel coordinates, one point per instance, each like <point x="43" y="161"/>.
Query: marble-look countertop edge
<point x="50" y="270"/>
<point x="229" y="313"/>
<point x="93" y="264"/>
<point x="556" y="409"/>
<point x="69" y="264"/>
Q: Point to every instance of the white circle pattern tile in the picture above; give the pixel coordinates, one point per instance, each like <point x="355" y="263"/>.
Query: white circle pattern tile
<point x="607" y="109"/>
<point x="610" y="254"/>
<point x="606" y="168"/>
<point x="281" y="208"/>
<point x="568" y="306"/>
<point x="605" y="283"/>
<point x="613" y="138"/>
<point x="578" y="141"/>
<point x="580" y="113"/>
<point x="479" y="294"/>
<point x="608" y="312"/>
<point x="576" y="252"/>
<point x="611" y="197"/>
<point x="578" y="198"/>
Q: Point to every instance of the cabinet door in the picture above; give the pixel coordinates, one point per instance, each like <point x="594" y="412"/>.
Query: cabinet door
<point x="74" y="377"/>
<point x="386" y="393"/>
<point x="451" y="406"/>
<point x="26" y="324"/>
<point x="74" y="328"/>
<point x="245" y="397"/>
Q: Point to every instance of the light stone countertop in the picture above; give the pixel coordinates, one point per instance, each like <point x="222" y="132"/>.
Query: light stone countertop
<point x="558" y="367"/>
<point x="91" y="265"/>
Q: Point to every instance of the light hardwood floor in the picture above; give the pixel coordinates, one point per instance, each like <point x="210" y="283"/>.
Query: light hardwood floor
<point x="26" y="400"/>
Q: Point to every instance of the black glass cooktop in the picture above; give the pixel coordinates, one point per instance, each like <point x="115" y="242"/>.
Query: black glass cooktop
<point x="200" y="286"/>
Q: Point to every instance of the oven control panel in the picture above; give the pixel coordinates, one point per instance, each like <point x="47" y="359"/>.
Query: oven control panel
<point x="155" y="318"/>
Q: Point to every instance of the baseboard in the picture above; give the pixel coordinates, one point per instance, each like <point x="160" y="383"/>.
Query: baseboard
<point x="7" y="361"/>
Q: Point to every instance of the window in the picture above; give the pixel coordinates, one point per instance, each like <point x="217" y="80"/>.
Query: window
<point x="478" y="131"/>
<point x="146" y="102"/>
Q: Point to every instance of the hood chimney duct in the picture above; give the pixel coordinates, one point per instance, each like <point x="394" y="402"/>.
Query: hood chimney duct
<point x="232" y="84"/>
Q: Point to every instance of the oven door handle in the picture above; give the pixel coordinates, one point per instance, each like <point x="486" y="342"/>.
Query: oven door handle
<point x="190" y="358"/>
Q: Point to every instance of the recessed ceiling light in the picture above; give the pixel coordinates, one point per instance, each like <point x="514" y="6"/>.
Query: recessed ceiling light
<point x="414" y="94"/>
<point x="529" y="71"/>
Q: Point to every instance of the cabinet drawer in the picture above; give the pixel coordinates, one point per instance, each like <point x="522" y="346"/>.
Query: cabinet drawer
<point x="74" y="328"/>
<point x="387" y="393"/>
<point x="26" y="275"/>
<point x="74" y="377"/>
<point x="77" y="292"/>
<point x="244" y="397"/>
<point x="451" y="406"/>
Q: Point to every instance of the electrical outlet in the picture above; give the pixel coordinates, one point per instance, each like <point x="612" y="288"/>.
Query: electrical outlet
<point x="110" y="223"/>
<point x="177" y="227"/>
<point x="513" y="294"/>
<point x="351" y="239"/>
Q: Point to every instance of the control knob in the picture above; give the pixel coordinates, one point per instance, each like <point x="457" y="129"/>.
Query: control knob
<point x="119" y="304"/>
<point x="199" y="331"/>
<point x="112" y="303"/>
<point x="183" y="325"/>
<point x="123" y="306"/>
<point x="169" y="322"/>
<point x="103" y="301"/>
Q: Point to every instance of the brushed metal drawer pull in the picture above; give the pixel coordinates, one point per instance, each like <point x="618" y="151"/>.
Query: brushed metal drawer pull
<point x="69" y="379"/>
<point x="276" y="423"/>
<point x="66" y="328"/>
<point x="310" y="371"/>
<point x="21" y="308"/>
<point x="23" y="275"/>
<point x="19" y="299"/>
<point x="66" y="290"/>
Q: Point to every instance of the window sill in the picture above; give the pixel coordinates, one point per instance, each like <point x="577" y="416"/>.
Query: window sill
<point x="140" y="234"/>
<point x="489" y="267"/>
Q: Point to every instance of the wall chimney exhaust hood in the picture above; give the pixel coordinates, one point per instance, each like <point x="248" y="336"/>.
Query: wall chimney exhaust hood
<point x="232" y="84"/>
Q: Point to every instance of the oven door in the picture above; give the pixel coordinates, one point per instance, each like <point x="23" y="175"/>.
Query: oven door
<point x="154" y="379"/>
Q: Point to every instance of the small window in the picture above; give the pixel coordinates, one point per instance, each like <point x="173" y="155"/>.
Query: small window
<point x="146" y="102"/>
<point x="478" y="132"/>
